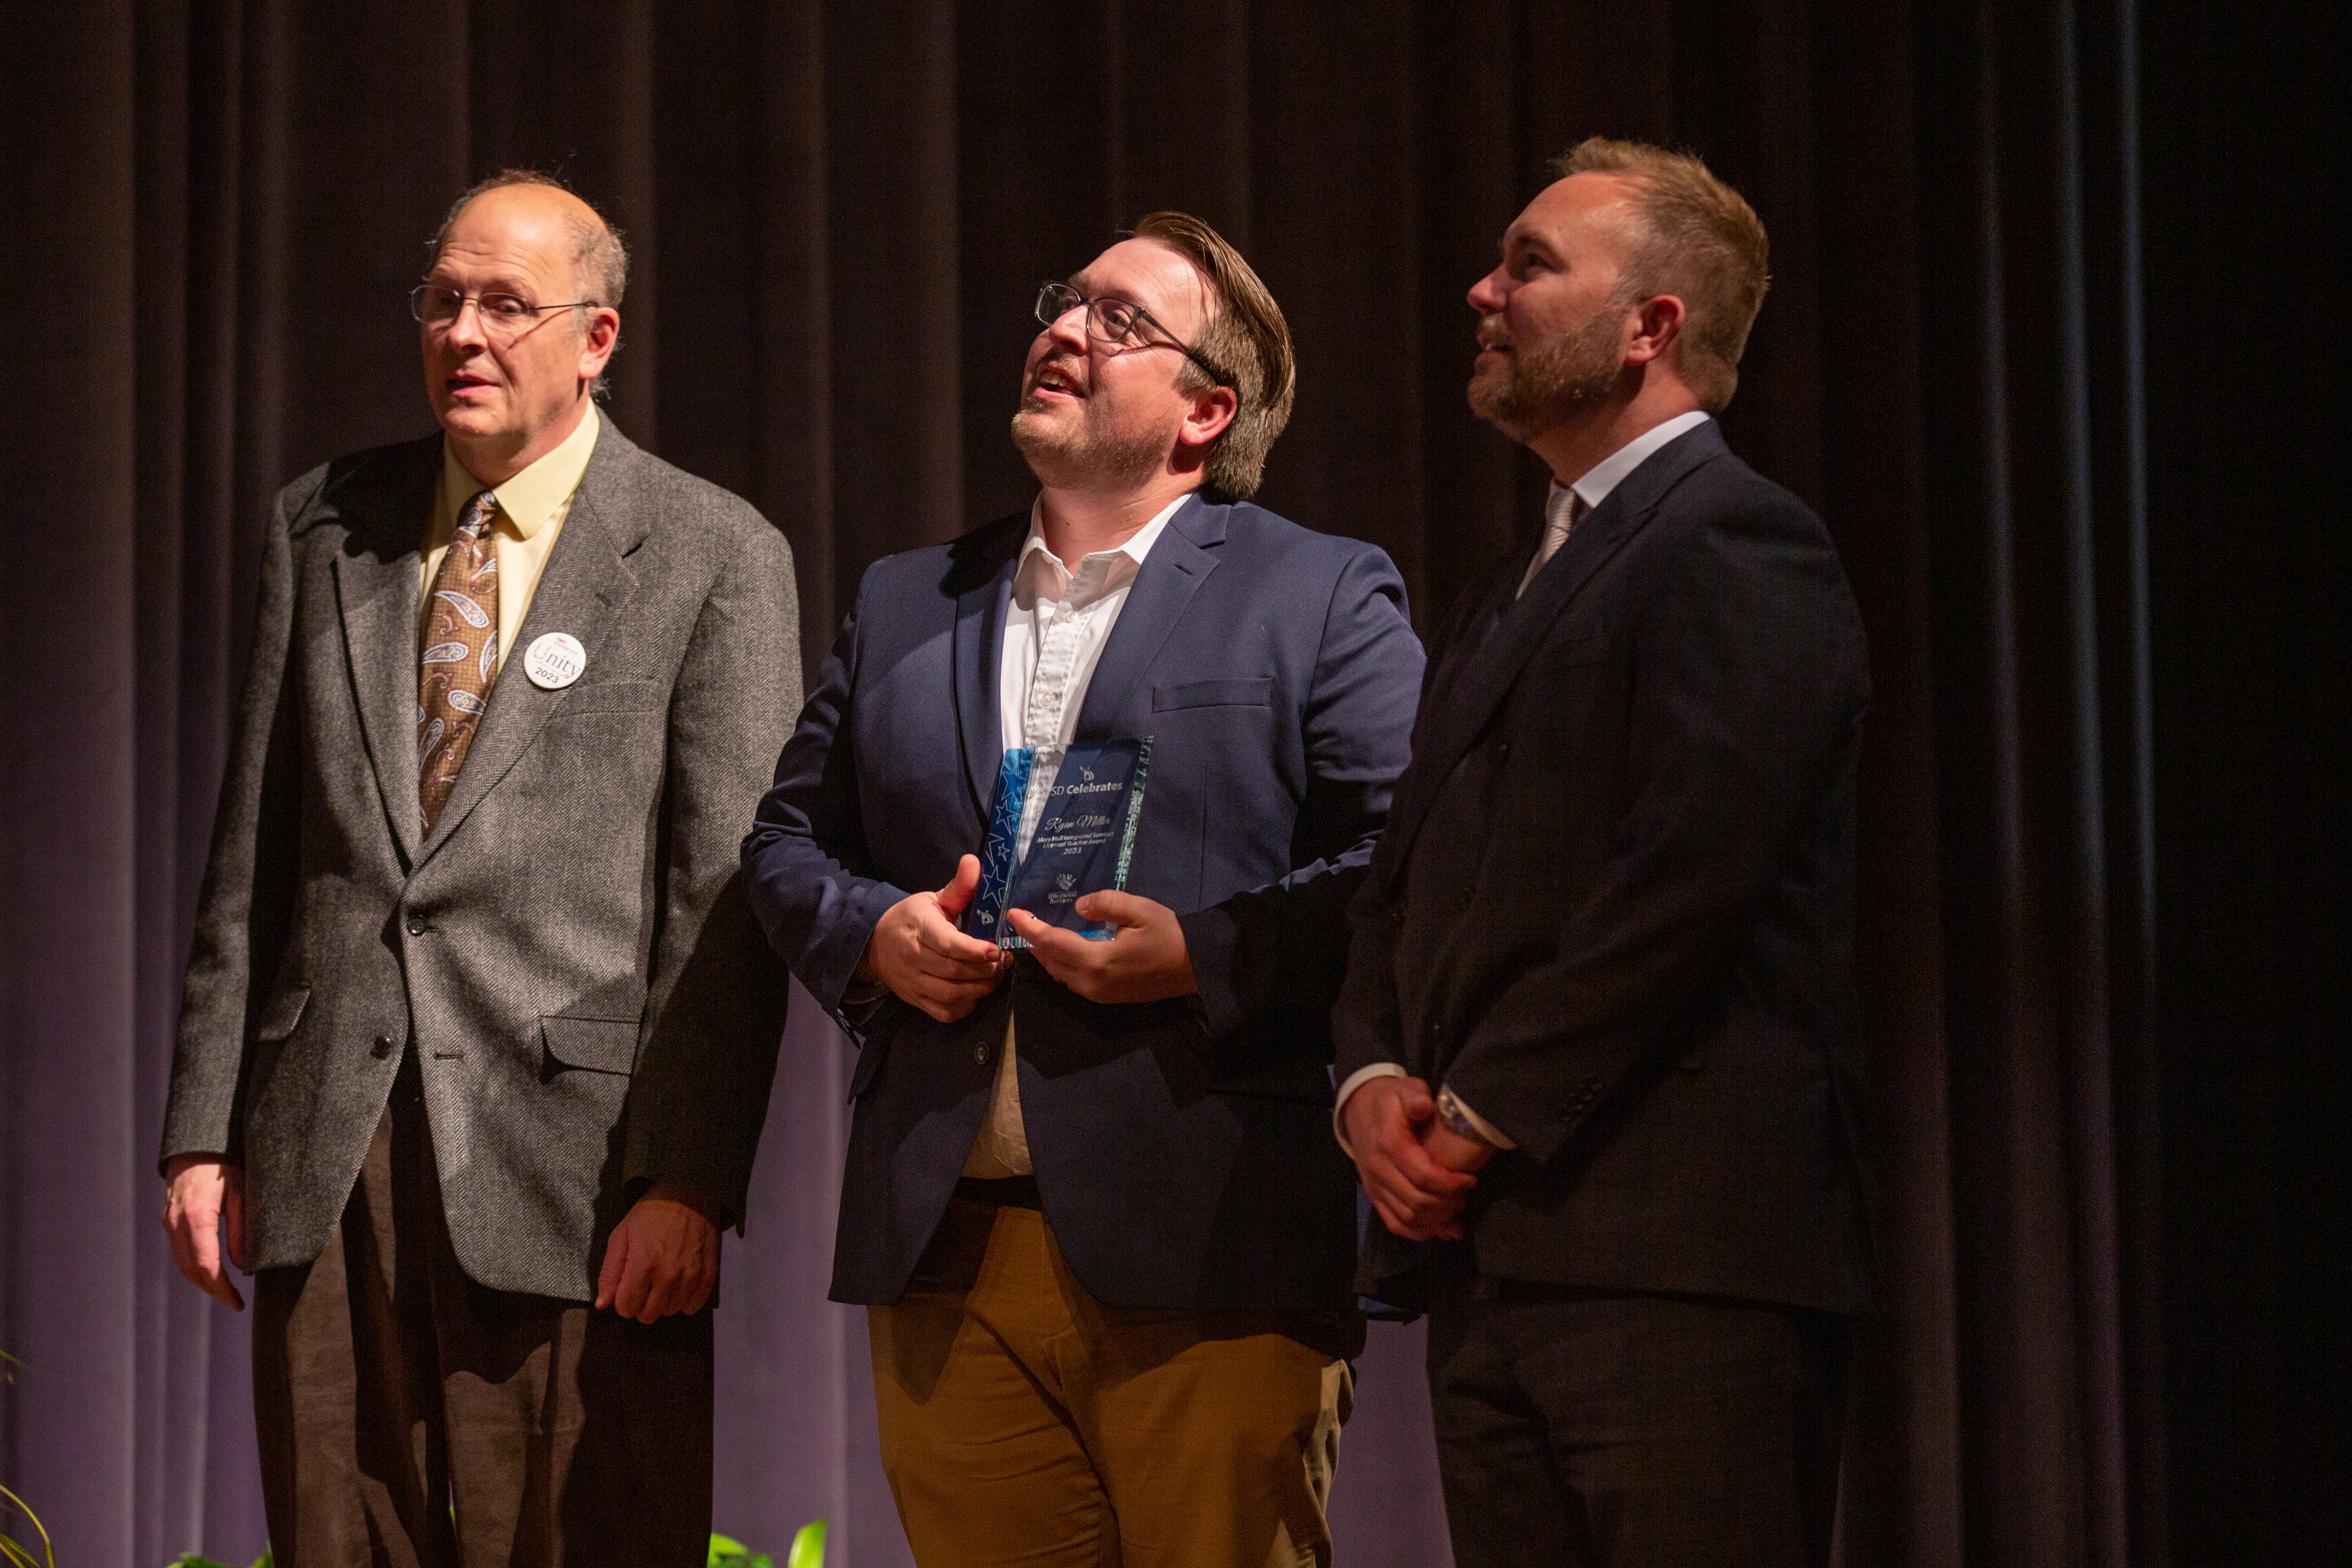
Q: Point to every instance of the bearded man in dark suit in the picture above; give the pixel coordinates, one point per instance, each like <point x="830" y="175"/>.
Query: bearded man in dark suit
<point x="1597" y="1039"/>
<point x="477" y="1029"/>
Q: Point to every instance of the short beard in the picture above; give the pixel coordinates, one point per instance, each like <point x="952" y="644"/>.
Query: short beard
<point x="1084" y="458"/>
<point x="1546" y="386"/>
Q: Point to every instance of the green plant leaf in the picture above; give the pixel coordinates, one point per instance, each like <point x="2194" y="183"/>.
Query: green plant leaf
<point x="808" y="1546"/>
<point x="19" y="1554"/>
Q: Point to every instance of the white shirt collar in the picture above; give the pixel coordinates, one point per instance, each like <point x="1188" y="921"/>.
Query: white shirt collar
<point x="1610" y="472"/>
<point x="1041" y="573"/>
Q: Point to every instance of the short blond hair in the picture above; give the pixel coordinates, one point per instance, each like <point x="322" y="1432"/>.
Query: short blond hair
<point x="1248" y="341"/>
<point x="1699" y="241"/>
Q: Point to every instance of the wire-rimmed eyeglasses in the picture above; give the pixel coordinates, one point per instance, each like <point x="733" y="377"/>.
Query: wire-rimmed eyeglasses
<point x="1113" y="321"/>
<point x="438" y="305"/>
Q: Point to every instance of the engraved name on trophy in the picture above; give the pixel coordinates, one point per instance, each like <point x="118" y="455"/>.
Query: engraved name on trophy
<point x="1084" y="839"/>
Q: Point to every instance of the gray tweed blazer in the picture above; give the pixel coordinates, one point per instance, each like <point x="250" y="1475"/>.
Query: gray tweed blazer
<point x="569" y="953"/>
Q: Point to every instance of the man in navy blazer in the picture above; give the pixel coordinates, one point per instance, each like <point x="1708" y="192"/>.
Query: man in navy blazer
<point x="1605" y="956"/>
<point x="1092" y="1201"/>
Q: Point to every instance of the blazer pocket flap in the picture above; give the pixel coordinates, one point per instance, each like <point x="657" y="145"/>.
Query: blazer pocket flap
<point x="599" y="1045"/>
<point x="283" y="1012"/>
<point x="1256" y="691"/>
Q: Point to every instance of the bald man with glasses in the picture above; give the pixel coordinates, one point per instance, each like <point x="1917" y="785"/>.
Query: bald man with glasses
<point x="477" y="1027"/>
<point x="1092" y="1203"/>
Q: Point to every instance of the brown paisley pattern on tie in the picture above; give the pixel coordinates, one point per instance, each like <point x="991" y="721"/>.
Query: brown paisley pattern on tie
<point x="460" y="661"/>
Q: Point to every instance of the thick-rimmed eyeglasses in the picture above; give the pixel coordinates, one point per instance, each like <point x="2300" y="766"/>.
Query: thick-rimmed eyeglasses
<point x="1114" y="321"/>
<point x="438" y="305"/>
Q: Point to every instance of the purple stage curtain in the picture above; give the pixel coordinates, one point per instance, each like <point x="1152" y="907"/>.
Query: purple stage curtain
<point x="2047" y="345"/>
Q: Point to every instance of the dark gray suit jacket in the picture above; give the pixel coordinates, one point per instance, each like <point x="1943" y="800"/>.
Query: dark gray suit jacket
<point x="1613" y="906"/>
<point x="569" y="953"/>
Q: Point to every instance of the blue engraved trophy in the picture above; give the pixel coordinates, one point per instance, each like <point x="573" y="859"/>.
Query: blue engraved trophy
<point x="1084" y="839"/>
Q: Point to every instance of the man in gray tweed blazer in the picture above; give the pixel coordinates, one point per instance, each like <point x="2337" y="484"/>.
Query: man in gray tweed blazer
<point x="477" y="1029"/>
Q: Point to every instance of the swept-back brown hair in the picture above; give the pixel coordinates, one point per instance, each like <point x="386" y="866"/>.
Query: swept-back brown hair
<point x="1248" y="341"/>
<point x="1700" y="241"/>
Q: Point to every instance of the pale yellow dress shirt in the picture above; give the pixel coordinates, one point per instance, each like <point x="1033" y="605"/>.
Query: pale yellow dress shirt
<point x="532" y="508"/>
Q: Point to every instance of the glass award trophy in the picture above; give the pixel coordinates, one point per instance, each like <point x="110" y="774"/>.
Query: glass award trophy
<point x="1085" y="837"/>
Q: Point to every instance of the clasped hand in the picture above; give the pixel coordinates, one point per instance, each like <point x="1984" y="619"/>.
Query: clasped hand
<point x="1416" y="1170"/>
<point x="917" y="953"/>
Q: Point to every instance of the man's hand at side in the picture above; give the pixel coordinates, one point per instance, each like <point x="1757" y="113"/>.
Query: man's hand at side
<point x="663" y="1255"/>
<point x="1412" y="1168"/>
<point x="201" y="1194"/>
<point x="1146" y="962"/>
<point x="917" y="953"/>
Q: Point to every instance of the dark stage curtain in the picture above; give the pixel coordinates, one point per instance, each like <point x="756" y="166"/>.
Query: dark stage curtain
<point x="2048" y="346"/>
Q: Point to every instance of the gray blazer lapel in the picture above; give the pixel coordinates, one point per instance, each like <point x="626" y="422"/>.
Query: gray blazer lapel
<point x="1473" y="694"/>
<point x="587" y="578"/>
<point x="1179" y="563"/>
<point x="377" y="598"/>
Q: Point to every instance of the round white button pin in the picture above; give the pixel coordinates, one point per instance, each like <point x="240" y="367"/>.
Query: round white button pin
<point x="554" y="660"/>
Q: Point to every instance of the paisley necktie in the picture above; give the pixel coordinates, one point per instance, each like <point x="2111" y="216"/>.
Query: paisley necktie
<point x="460" y="661"/>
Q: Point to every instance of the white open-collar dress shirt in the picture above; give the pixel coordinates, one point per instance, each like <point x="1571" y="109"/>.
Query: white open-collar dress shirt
<point x="1054" y="632"/>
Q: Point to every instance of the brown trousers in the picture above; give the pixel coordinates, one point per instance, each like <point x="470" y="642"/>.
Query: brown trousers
<point x="1023" y="1422"/>
<point x="391" y="1390"/>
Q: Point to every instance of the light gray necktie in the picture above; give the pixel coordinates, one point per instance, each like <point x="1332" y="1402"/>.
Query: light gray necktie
<point x="1563" y="511"/>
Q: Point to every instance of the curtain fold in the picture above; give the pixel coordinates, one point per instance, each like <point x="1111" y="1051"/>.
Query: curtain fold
<point x="2032" y="462"/>
<point x="2043" y="347"/>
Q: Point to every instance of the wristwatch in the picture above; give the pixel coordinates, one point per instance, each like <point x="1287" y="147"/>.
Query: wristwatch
<point x="1457" y="1120"/>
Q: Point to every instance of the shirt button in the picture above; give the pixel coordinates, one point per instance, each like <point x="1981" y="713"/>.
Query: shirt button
<point x="416" y="928"/>
<point x="383" y="1047"/>
<point x="979" y="1054"/>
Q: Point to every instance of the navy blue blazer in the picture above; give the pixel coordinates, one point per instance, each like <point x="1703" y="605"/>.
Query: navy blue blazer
<point x="1184" y="1148"/>
<point x="1614" y="906"/>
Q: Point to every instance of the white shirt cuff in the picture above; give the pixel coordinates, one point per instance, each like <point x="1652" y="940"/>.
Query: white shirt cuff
<point x="1357" y="1080"/>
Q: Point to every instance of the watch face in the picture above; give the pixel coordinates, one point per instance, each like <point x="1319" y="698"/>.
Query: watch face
<point x="1457" y="1122"/>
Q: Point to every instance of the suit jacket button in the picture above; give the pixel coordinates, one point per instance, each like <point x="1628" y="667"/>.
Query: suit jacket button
<point x="979" y="1054"/>
<point x="416" y="928"/>
<point x="383" y="1047"/>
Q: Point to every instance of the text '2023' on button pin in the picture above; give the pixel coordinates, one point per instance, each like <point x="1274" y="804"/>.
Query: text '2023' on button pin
<point x="554" y="660"/>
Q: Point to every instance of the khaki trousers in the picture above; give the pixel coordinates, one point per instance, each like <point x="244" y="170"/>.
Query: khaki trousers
<point x="390" y="1389"/>
<point x="1023" y="1422"/>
